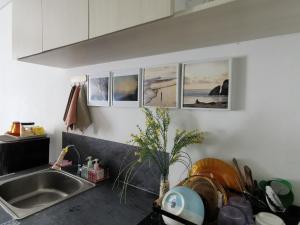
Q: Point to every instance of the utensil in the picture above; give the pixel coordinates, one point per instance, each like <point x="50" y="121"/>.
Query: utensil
<point x="249" y="180"/>
<point x="236" y="165"/>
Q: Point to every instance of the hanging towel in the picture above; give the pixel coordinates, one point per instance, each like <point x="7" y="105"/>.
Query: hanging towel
<point x="83" y="114"/>
<point x="72" y="113"/>
<point x="69" y="102"/>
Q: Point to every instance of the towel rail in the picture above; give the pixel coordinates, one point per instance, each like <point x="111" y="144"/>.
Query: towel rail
<point x="82" y="79"/>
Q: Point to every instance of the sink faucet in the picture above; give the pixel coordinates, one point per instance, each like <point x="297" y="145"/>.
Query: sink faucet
<point x="58" y="164"/>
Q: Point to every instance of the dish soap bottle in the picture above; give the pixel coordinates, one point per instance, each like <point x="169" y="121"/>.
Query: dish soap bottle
<point x="99" y="171"/>
<point x="90" y="168"/>
<point x="90" y="162"/>
<point x="85" y="168"/>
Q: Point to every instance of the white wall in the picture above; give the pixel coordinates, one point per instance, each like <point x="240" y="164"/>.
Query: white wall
<point x="262" y="131"/>
<point x="29" y="92"/>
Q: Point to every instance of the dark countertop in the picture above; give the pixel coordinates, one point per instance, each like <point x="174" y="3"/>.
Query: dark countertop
<point x="99" y="205"/>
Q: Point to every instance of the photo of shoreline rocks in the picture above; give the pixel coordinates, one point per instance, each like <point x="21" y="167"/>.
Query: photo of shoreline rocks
<point x="160" y="86"/>
<point x="206" y="85"/>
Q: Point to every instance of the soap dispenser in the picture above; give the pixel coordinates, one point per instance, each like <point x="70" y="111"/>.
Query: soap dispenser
<point x="89" y="163"/>
<point x="90" y="170"/>
<point x="99" y="171"/>
<point x="85" y="168"/>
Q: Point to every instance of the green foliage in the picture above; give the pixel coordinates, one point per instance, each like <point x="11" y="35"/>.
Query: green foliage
<point x="152" y="145"/>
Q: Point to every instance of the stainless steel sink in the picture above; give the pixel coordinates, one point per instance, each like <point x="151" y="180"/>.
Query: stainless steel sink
<point x="27" y="194"/>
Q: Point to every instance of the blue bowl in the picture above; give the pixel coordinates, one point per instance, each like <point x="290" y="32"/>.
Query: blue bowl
<point x="185" y="203"/>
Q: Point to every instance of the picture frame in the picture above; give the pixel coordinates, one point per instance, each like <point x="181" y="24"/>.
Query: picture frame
<point x="207" y="84"/>
<point x="126" y="88"/>
<point x="161" y="86"/>
<point x="99" y="89"/>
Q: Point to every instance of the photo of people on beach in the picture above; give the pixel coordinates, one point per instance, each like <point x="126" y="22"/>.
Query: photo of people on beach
<point x="206" y="84"/>
<point x="160" y="86"/>
<point x="98" y="90"/>
<point x="126" y="88"/>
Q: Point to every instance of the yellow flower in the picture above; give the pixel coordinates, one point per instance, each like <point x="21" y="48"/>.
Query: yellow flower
<point x="157" y="131"/>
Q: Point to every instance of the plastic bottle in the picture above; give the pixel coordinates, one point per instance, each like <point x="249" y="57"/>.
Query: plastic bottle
<point x="91" y="176"/>
<point x="85" y="168"/>
<point x="99" y="171"/>
<point x="90" y="162"/>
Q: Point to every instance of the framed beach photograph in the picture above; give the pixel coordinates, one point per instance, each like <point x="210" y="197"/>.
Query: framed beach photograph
<point x="206" y="84"/>
<point x="126" y="88"/>
<point x="161" y="86"/>
<point x="99" y="89"/>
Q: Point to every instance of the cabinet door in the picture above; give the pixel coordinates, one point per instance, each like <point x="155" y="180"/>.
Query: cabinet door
<point x="21" y="155"/>
<point x="27" y="27"/>
<point x="113" y="15"/>
<point x="65" y="22"/>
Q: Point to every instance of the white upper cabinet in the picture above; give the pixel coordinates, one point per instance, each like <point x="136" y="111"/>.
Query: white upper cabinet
<point x="107" y="16"/>
<point x="27" y="28"/>
<point x="65" y="22"/>
<point x="42" y="25"/>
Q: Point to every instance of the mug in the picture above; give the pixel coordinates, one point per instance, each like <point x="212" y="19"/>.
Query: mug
<point x="282" y="188"/>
